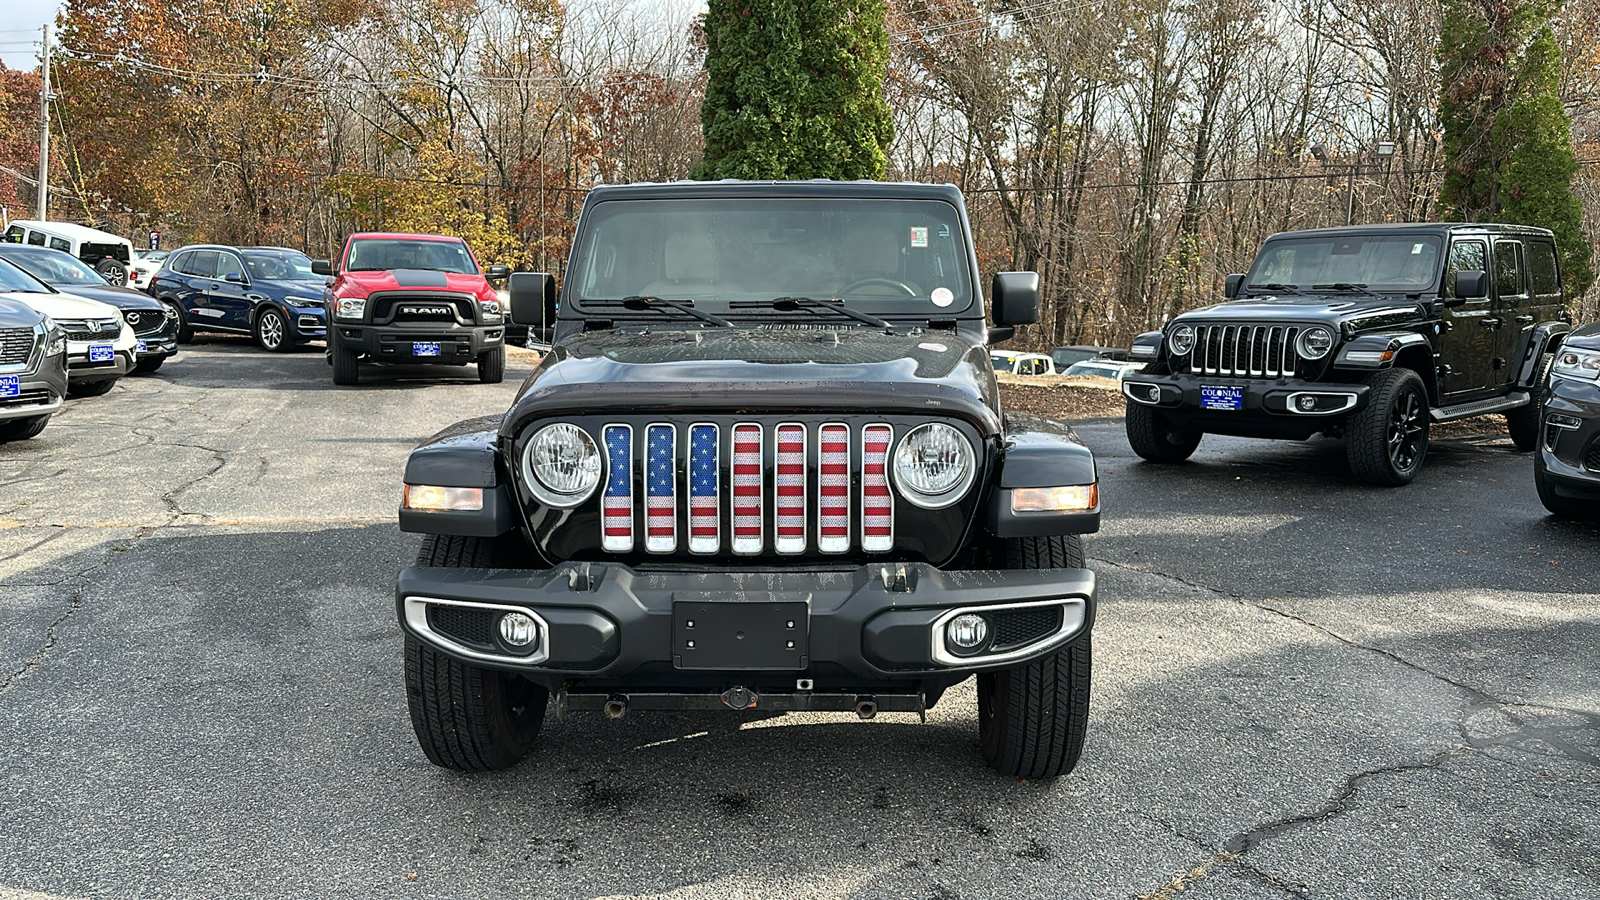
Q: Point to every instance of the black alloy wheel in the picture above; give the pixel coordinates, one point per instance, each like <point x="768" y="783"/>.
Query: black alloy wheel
<point x="1387" y="442"/>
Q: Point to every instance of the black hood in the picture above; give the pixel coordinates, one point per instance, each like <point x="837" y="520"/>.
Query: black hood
<point x="1586" y="338"/>
<point x="1360" y="311"/>
<point x="764" y="369"/>
<point x="121" y="298"/>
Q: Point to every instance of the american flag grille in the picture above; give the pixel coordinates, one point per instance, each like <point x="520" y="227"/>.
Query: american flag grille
<point x="724" y="470"/>
<point x="16" y="346"/>
<point x="1245" y="351"/>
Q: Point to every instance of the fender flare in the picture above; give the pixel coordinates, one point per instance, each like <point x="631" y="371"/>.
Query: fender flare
<point x="1040" y="452"/>
<point x="1543" y="338"/>
<point x="464" y="455"/>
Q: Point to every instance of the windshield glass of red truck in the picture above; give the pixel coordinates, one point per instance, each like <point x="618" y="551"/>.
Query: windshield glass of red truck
<point x="383" y="254"/>
<point x="736" y="256"/>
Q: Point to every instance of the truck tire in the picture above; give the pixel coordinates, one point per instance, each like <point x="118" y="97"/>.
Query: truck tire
<point x="492" y="366"/>
<point x="22" y="429"/>
<point x="272" y="331"/>
<point x="1523" y="422"/>
<point x="1565" y="507"/>
<point x="1032" y="718"/>
<point x="346" y="367"/>
<point x="467" y="717"/>
<point x="1386" y="443"/>
<point x="1154" y="438"/>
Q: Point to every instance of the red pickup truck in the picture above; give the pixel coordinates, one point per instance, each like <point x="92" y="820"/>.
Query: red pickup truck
<point x="412" y="298"/>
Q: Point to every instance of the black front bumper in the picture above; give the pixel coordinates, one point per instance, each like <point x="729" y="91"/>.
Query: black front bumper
<point x="1570" y="456"/>
<point x="880" y="624"/>
<point x="157" y="345"/>
<point x="1270" y="408"/>
<point x="458" y="344"/>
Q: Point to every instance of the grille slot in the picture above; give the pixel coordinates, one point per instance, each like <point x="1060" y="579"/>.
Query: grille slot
<point x="461" y="623"/>
<point x="37" y="397"/>
<point x="16" y="346"/>
<point x="1591" y="460"/>
<point x="1014" y="627"/>
<point x="1244" y="351"/>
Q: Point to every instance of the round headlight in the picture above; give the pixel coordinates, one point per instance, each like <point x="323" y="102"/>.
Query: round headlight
<point x="1181" y="340"/>
<point x="562" y="465"/>
<point x="934" y="465"/>
<point x="1314" y="342"/>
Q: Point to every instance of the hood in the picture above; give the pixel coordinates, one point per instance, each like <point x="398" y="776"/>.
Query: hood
<point x="16" y="314"/>
<point x="360" y="284"/>
<point x="1358" y="310"/>
<point x="121" y="298"/>
<point x="67" y="306"/>
<point x="750" y="369"/>
<point x="1585" y="338"/>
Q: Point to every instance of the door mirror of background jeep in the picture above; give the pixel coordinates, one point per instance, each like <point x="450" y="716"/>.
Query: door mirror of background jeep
<point x="533" y="299"/>
<point x="498" y="272"/>
<point x="1015" y="298"/>
<point x="321" y="267"/>
<point x="1471" y="284"/>
<point x="1230" y="288"/>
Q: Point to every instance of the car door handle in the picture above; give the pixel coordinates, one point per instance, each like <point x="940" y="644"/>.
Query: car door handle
<point x="1523" y="320"/>
<point x="1490" y="322"/>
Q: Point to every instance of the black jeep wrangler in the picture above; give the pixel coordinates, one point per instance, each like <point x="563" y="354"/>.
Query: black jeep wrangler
<point x="763" y="467"/>
<point x="1369" y="333"/>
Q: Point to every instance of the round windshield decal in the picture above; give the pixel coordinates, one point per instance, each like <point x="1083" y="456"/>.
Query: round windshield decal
<point x="942" y="297"/>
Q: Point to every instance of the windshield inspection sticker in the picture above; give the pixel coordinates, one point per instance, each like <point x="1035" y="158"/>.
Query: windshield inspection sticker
<point x="919" y="236"/>
<point x="942" y="297"/>
<point x="1416" y="249"/>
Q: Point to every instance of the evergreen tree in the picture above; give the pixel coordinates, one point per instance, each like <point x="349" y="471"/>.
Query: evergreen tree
<point x="1507" y="137"/>
<point x="795" y="90"/>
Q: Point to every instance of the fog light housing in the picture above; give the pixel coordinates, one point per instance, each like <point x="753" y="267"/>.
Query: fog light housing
<point x="1063" y="499"/>
<point x="1308" y="402"/>
<point x="519" y="632"/>
<point x="434" y="498"/>
<point x="968" y="632"/>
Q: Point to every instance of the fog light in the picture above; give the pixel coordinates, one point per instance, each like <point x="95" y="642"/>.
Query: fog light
<point x="433" y="498"/>
<point x="968" y="631"/>
<point x="519" y="630"/>
<point x="1308" y="403"/>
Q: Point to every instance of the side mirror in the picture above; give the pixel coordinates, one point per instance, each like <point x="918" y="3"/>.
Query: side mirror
<point x="1014" y="299"/>
<point x="498" y="272"/>
<point x="1230" y="288"/>
<point x="233" y="278"/>
<point x="321" y="267"/>
<point x="533" y="299"/>
<point x="1471" y="284"/>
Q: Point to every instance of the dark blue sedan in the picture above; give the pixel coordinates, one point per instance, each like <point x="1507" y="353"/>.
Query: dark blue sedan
<point x="269" y="293"/>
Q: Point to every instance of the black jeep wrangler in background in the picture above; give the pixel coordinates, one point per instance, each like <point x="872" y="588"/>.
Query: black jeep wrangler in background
<point x="1370" y="333"/>
<point x="763" y="467"/>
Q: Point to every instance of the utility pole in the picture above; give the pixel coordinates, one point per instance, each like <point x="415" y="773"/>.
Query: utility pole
<point x="44" y="133"/>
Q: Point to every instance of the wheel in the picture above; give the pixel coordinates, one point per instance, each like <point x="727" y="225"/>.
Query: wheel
<point x="1523" y="422"/>
<point x="1032" y="718"/>
<point x="272" y="331"/>
<point x="22" y="429"/>
<point x="1565" y="507"/>
<point x="113" y="271"/>
<point x="1387" y="442"/>
<point x="1152" y="436"/>
<point x="468" y="717"/>
<point x="91" y="388"/>
<point x="492" y="366"/>
<point x="346" y="370"/>
<point x="185" y="333"/>
<point x="148" y="364"/>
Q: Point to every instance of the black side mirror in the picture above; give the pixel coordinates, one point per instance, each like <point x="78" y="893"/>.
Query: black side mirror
<point x="233" y="277"/>
<point x="1230" y="288"/>
<point x="321" y="267"/>
<point x="498" y="272"/>
<point x="533" y="299"/>
<point x="1015" y="298"/>
<point x="1471" y="284"/>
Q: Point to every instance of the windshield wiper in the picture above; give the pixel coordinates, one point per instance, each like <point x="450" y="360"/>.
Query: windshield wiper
<point x="657" y="304"/>
<point x="1276" y="286"/>
<point x="792" y="304"/>
<point x="1346" y="286"/>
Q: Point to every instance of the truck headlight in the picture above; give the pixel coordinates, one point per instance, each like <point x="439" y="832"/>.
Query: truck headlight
<point x="1584" y="364"/>
<point x="934" y="465"/>
<point x="561" y="465"/>
<point x="491" y="310"/>
<point x="1314" y="342"/>
<point x="352" y="308"/>
<point x="1181" y="340"/>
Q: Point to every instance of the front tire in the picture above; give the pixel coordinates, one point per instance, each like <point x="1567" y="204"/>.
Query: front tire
<point x="346" y="368"/>
<point x="1386" y="443"/>
<point x="92" y="388"/>
<point x="467" y="717"/>
<point x="23" y="429"/>
<point x="1154" y="438"/>
<point x="1032" y="718"/>
<point x="492" y="366"/>
<point x="1523" y="422"/>
<point x="1565" y="507"/>
<point x="148" y="364"/>
<point x="272" y="331"/>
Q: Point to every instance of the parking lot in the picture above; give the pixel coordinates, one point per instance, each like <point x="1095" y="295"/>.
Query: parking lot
<point x="1303" y="687"/>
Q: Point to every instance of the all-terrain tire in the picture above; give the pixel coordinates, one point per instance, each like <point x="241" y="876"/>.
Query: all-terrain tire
<point x="1565" y="507"/>
<point x="23" y="429"/>
<point x="1032" y="718"/>
<point x="1523" y="422"/>
<point x="346" y="366"/>
<point x="468" y="717"/>
<point x="1152" y="436"/>
<point x="492" y="366"/>
<point x="1387" y="442"/>
<point x="113" y="271"/>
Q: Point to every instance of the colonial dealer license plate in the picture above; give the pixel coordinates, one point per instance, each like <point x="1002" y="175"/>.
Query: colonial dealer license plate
<point x="425" y="348"/>
<point x="1216" y="397"/>
<point x="100" y="353"/>
<point x="10" y="385"/>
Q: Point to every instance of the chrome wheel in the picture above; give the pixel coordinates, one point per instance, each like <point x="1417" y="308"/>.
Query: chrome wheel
<point x="1407" y="431"/>
<point x="269" y="330"/>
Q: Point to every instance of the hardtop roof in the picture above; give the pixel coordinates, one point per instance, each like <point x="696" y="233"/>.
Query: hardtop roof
<point x="1441" y="229"/>
<point x="73" y="231"/>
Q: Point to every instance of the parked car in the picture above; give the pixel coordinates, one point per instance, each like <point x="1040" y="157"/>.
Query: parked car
<point x="100" y="345"/>
<point x="33" y="368"/>
<point x="1066" y="356"/>
<point x="106" y="253"/>
<point x="716" y="493"/>
<point x="1096" y="367"/>
<point x="145" y="265"/>
<point x="1021" y="363"/>
<point x="1566" y="464"/>
<point x="413" y="298"/>
<point x="269" y="293"/>
<point x="154" y="324"/>
<point x="1370" y="333"/>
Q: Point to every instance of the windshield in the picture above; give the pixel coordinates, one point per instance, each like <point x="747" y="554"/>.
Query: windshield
<point x="886" y="256"/>
<point x="279" y="265"/>
<point x="55" y="267"/>
<point x="1401" y="262"/>
<point x="379" y="254"/>
<point x="15" y="279"/>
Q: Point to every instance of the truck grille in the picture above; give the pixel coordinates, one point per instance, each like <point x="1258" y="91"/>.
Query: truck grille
<point x="422" y="308"/>
<point x="690" y="514"/>
<point x="1244" y="351"/>
<point x="16" y="346"/>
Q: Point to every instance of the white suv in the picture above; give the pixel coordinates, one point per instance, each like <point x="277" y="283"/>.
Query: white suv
<point x="100" y="345"/>
<point x="108" y="254"/>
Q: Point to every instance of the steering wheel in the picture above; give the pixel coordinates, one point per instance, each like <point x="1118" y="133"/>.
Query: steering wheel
<point x="888" y="281"/>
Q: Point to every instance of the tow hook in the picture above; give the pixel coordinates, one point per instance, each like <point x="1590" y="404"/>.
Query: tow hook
<point x="616" y="706"/>
<point x="866" y="706"/>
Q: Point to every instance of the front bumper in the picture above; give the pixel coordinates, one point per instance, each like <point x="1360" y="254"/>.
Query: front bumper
<point x="877" y="624"/>
<point x="1266" y="406"/>
<point x="40" y="393"/>
<point x="458" y="344"/>
<point x="1569" y="455"/>
<point x="308" y="324"/>
<point x="81" y="371"/>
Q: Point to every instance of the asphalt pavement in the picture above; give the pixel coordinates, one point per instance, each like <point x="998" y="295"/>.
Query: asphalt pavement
<point x="1303" y="687"/>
